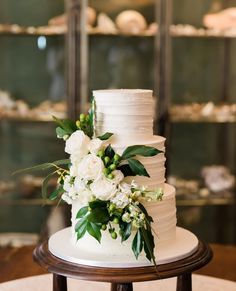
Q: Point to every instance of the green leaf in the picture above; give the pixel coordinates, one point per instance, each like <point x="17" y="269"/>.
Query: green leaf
<point x="67" y="125"/>
<point x="98" y="204"/>
<point x="99" y="215"/>
<point x="126" y="170"/>
<point x="94" y="230"/>
<point x="148" y="244"/>
<point x="139" y="150"/>
<point x="60" y="132"/>
<point x="109" y="152"/>
<point x="82" y="212"/>
<point x="54" y="195"/>
<point x="126" y="232"/>
<point x="45" y="184"/>
<point x="137" y="244"/>
<point x="44" y="166"/>
<point x="138" y="168"/>
<point x="81" y="228"/>
<point x="105" y="136"/>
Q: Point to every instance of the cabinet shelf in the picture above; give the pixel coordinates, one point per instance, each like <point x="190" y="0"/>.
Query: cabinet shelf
<point x="176" y="31"/>
<point x="203" y="113"/>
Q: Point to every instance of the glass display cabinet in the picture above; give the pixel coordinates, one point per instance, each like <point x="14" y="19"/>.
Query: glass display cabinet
<point x="190" y="67"/>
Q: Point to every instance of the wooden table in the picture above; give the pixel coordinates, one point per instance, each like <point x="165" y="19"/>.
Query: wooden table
<point x="121" y="279"/>
<point x="12" y="259"/>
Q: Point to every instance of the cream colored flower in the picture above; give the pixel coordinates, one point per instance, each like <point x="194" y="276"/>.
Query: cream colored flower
<point x="103" y="189"/>
<point x="90" y="168"/>
<point x="95" y="145"/>
<point x="77" y="145"/>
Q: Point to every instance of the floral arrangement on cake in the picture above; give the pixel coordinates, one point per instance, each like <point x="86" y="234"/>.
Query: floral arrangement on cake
<point x="95" y="175"/>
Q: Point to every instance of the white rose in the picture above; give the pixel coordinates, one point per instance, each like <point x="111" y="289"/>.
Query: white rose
<point x="95" y="145"/>
<point x="90" y="168"/>
<point x="120" y="200"/>
<point x="118" y="176"/>
<point x="103" y="189"/>
<point x="84" y="197"/>
<point x="77" y="144"/>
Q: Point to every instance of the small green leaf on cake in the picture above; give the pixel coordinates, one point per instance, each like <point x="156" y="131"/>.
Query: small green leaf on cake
<point x="99" y="215"/>
<point x="137" y="244"/>
<point x="126" y="170"/>
<point x="138" y="168"/>
<point x="105" y="136"/>
<point x="82" y="212"/>
<point x="94" y="230"/>
<point x="125" y="231"/>
<point x="139" y="150"/>
<point x="81" y="228"/>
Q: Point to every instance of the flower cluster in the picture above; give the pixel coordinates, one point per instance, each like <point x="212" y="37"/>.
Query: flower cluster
<point x="95" y="177"/>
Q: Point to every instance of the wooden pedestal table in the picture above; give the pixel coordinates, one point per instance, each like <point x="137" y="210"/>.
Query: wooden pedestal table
<point x="121" y="279"/>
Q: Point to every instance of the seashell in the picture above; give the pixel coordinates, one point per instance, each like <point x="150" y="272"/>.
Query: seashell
<point x="131" y="22"/>
<point x="105" y="24"/>
<point x="91" y="15"/>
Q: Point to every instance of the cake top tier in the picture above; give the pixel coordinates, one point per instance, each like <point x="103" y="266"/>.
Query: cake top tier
<point x="124" y="112"/>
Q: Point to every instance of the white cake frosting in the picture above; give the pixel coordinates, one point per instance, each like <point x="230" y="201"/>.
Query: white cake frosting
<point x="128" y="114"/>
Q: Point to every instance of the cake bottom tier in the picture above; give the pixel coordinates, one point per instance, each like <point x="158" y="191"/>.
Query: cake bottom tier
<point x="164" y="228"/>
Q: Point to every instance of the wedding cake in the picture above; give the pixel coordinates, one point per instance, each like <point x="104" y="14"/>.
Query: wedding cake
<point x="128" y="114"/>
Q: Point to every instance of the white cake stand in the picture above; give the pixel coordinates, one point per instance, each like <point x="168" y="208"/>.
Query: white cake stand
<point x="60" y="245"/>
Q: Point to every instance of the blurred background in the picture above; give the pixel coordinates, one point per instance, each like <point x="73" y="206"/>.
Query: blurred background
<point x="182" y="49"/>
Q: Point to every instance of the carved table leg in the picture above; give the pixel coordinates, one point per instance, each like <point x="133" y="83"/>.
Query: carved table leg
<point x="184" y="282"/>
<point x="121" y="287"/>
<point x="59" y="283"/>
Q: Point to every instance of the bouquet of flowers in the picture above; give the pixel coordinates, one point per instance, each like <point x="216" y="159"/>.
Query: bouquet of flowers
<point x="95" y="175"/>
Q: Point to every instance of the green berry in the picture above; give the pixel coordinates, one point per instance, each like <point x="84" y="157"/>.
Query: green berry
<point x="110" y="176"/>
<point x="78" y="124"/>
<point x="114" y="235"/>
<point x="106" y="172"/>
<point x="112" y="207"/>
<point x="104" y="227"/>
<point x="107" y="160"/>
<point x="87" y="118"/>
<point x="116" y="158"/>
<point x="101" y="153"/>
<point x="116" y="220"/>
<point x="112" y="167"/>
<point x="82" y="117"/>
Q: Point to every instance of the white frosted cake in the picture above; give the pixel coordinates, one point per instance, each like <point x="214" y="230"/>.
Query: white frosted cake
<point x="128" y="114"/>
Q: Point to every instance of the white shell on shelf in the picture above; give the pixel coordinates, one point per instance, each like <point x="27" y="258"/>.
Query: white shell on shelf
<point x="131" y="22"/>
<point x="105" y="24"/>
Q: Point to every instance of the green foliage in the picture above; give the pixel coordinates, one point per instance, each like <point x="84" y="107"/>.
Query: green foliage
<point x="126" y="170"/>
<point x="139" y="150"/>
<point x="137" y="244"/>
<point x="99" y="215"/>
<point x="94" y="230"/>
<point x="44" y="166"/>
<point x="67" y="125"/>
<point x="125" y="230"/>
<point x="55" y="194"/>
<point x="82" y="212"/>
<point x="138" y="168"/>
<point x="45" y="184"/>
<point x="105" y="136"/>
<point x="109" y="152"/>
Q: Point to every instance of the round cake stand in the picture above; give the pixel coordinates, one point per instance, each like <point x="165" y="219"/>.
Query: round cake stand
<point x="121" y="279"/>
